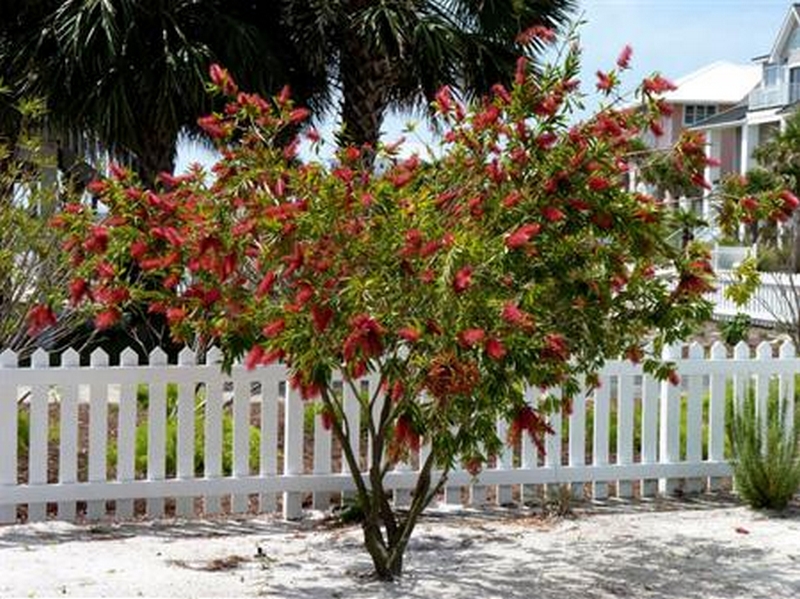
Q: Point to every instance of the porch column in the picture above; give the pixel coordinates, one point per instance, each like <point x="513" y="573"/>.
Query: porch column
<point x="749" y="141"/>
<point x="712" y="172"/>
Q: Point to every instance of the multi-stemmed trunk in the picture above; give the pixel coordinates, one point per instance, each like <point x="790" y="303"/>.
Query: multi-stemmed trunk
<point x="386" y="532"/>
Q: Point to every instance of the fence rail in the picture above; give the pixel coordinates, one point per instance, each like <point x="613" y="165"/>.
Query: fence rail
<point x="775" y="301"/>
<point x="187" y="433"/>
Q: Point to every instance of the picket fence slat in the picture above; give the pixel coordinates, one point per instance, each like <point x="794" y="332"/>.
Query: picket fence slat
<point x="98" y="433"/>
<point x="185" y="441"/>
<point x="601" y="424"/>
<point x="68" y="436"/>
<point x="126" y="436"/>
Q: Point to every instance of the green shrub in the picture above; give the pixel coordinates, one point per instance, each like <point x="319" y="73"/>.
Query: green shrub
<point x="23" y="432"/>
<point x="766" y="459"/>
<point x="171" y="442"/>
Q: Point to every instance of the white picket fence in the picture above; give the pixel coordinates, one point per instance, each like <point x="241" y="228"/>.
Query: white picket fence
<point x="776" y="300"/>
<point x="296" y="459"/>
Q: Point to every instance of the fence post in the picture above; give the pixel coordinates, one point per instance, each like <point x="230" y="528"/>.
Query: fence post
<point x="292" y="450"/>
<point x="184" y="446"/>
<point x="529" y="458"/>
<point x="650" y="408"/>
<point x="241" y="440"/>
<point x="37" y="441"/>
<point x="787" y="406"/>
<point x="716" y="414"/>
<point x="600" y="436"/>
<point x="669" y="434"/>
<point x="8" y="436"/>
<point x="504" y="462"/>
<point x="98" y="433"/>
<point x="268" y="452"/>
<point x="212" y="449"/>
<point x="625" y="430"/>
<point x="126" y="433"/>
<point x="68" y="434"/>
<point x="577" y="437"/>
<point x="763" y="352"/>
<point x="156" y="426"/>
<point x="552" y="455"/>
<point x="694" y="420"/>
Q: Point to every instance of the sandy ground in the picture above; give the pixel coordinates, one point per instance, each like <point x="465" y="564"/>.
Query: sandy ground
<point x="685" y="550"/>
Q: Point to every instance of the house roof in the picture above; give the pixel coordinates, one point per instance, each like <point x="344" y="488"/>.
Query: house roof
<point x="717" y="83"/>
<point x="733" y="116"/>
<point x="789" y="23"/>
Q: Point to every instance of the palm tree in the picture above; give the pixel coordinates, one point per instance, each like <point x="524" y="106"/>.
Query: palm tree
<point x="131" y="73"/>
<point x="398" y="53"/>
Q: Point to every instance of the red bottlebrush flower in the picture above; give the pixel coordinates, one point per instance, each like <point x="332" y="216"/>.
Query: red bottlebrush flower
<point x="404" y="433"/>
<point x="119" y="172"/>
<point x="555" y="347"/>
<point x="471" y="337"/>
<point x="176" y="315"/>
<point x="521" y="236"/>
<point x="266" y="284"/>
<point x="597" y="183"/>
<point x="748" y="204"/>
<point x="272" y="355"/>
<point x="674" y="378"/>
<point x="552" y="214"/>
<point x="462" y="279"/>
<point x="427" y="276"/>
<point x="107" y="319"/>
<point x="365" y="336"/>
<point x="473" y="466"/>
<point x="298" y="115"/>
<point x="304" y="293"/>
<point x="624" y="58"/>
<point x="502" y="93"/>
<point x="537" y="32"/>
<point x="790" y="201"/>
<point x="284" y="95"/>
<point x="214" y="126"/>
<point x="514" y="316"/>
<point x="138" y="249"/>
<point x="78" y="289"/>
<point x="313" y="136"/>
<point x="326" y="418"/>
<point x="444" y="100"/>
<point x="546" y="140"/>
<point x="603" y="220"/>
<point x="222" y="79"/>
<point x="410" y="334"/>
<point x="254" y="357"/>
<point x="274" y="328"/>
<point x="321" y="316"/>
<point x="401" y="178"/>
<point x="528" y="420"/>
<point x="605" y="82"/>
<point x="521" y="71"/>
<point x="495" y="348"/>
<point x="579" y="205"/>
<point x="97" y="187"/>
<point x="39" y="318"/>
<point x="658" y="85"/>
<point x="308" y="389"/>
<point x="104" y="270"/>
<point x="97" y="241"/>
<point x="656" y="128"/>
<point x="430" y="248"/>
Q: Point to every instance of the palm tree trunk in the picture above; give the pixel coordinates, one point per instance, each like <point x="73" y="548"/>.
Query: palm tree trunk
<point x="366" y="81"/>
<point x="156" y="153"/>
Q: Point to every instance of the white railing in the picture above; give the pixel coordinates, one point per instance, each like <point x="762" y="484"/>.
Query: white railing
<point x="775" y="301"/>
<point x="775" y="95"/>
<point x="728" y="257"/>
<point x="77" y="415"/>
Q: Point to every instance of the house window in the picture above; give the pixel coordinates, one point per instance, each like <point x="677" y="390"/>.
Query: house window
<point x="772" y="75"/>
<point x="694" y="113"/>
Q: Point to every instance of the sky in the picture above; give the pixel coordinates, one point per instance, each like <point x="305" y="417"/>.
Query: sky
<point x="673" y="37"/>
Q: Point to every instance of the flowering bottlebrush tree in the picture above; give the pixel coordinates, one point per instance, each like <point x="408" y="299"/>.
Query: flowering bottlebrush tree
<point x="516" y="258"/>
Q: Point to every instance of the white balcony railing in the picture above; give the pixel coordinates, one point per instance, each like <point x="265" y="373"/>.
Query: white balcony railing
<point x="776" y="95"/>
